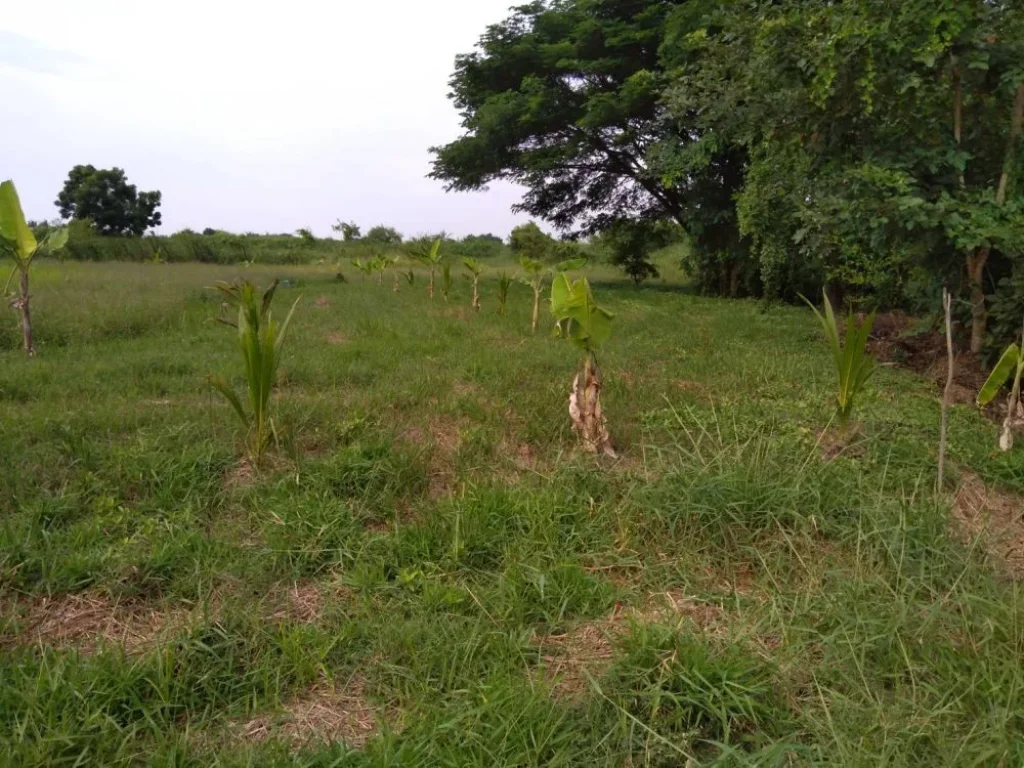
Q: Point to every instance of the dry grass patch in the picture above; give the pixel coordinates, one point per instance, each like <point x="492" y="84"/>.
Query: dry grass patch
<point x="327" y="713"/>
<point x="442" y="438"/>
<point x="336" y="339"/>
<point x="305" y="602"/>
<point x="87" y="621"/>
<point x="994" y="517"/>
<point x="587" y="650"/>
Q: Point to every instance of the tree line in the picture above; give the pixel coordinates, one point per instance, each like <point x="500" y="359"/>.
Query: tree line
<point x="871" y="148"/>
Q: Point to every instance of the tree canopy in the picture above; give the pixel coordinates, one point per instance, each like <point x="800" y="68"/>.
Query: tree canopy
<point x="870" y="147"/>
<point x="104" y="197"/>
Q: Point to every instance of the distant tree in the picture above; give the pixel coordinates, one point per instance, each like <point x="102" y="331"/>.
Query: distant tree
<point x="105" y="197"/>
<point x="307" y="236"/>
<point x="349" y="230"/>
<point x="631" y="244"/>
<point x="382" y="235"/>
<point x="209" y="231"/>
<point x="482" y="246"/>
<point x="531" y="242"/>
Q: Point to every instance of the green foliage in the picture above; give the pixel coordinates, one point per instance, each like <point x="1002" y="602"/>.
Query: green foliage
<point x="577" y="316"/>
<point x="853" y="366"/>
<point x="528" y="241"/>
<point x="446" y="280"/>
<point x="472" y="266"/>
<point x="105" y="198"/>
<point x="504" y="286"/>
<point x="307" y="237"/>
<point x="631" y="244"/>
<point x="260" y="340"/>
<point x="1010" y="364"/>
<point x="382" y="235"/>
<point x="349" y="230"/>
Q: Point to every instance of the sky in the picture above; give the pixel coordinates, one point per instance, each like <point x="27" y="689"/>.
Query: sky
<point x="247" y="116"/>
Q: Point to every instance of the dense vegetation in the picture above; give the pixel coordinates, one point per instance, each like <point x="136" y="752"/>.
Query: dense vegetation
<point x="871" y="148"/>
<point x="425" y="572"/>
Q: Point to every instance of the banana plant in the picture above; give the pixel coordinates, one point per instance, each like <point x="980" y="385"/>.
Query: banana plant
<point x="853" y="366"/>
<point x="1011" y="363"/>
<point x="535" y="275"/>
<point x="260" y="340"/>
<point x="393" y="263"/>
<point x="432" y="259"/>
<point x="379" y="264"/>
<point x="410" y="276"/>
<point x="18" y="241"/>
<point x="504" y="285"/>
<point x="582" y="321"/>
<point x="446" y="281"/>
<point x="475" y="270"/>
<point x="366" y="267"/>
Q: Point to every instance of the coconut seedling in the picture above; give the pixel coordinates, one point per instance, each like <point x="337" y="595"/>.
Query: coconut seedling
<point x="432" y="259"/>
<point x="587" y="325"/>
<point x="475" y="270"/>
<point x="260" y="339"/>
<point x="504" y="285"/>
<point x="18" y="241"/>
<point x="853" y="366"/>
<point x="446" y="280"/>
<point x="1010" y="364"/>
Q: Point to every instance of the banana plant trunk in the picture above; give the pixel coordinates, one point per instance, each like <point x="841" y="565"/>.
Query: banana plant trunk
<point x="536" y="307"/>
<point x="430" y="287"/>
<point x="1013" y="417"/>
<point x="22" y="302"/>
<point x="588" y="419"/>
<point x="476" y="294"/>
<point x="394" y="287"/>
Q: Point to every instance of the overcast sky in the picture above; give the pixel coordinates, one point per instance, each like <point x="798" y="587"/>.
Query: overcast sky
<point x="248" y="116"/>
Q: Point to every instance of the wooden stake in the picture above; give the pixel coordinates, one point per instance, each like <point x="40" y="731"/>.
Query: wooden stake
<point x="947" y="304"/>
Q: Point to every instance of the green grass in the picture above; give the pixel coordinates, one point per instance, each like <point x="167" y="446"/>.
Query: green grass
<point x="426" y="487"/>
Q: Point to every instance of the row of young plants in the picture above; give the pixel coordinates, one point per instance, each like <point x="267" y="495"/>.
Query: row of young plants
<point x="576" y="314"/>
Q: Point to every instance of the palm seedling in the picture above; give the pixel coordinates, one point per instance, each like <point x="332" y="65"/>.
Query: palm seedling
<point x="446" y="281"/>
<point x="432" y="259"/>
<point x="504" y="284"/>
<point x="18" y="241"/>
<point x="853" y="366"/>
<point x="260" y="339"/>
<point x="587" y="325"/>
<point x="1010" y="364"/>
<point x="475" y="270"/>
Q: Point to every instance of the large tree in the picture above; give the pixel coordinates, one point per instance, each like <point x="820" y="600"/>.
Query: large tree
<point x="881" y="137"/>
<point x="104" y="197"/>
<point x="564" y="98"/>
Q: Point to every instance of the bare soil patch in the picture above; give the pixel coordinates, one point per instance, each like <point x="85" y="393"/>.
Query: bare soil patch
<point x="336" y="338"/>
<point x="305" y="602"/>
<point x="443" y="438"/>
<point x="924" y="353"/>
<point x="322" y="302"/>
<point x="327" y="713"/>
<point x="996" y="517"/>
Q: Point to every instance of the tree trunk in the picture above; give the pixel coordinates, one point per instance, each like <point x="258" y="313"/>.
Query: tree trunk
<point x="26" y="315"/>
<point x="979" y="313"/>
<point x="536" y="308"/>
<point x="430" y="288"/>
<point x="476" y="294"/>
<point x="585" y="410"/>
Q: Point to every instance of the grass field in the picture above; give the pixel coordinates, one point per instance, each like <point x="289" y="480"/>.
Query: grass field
<point x="427" y="572"/>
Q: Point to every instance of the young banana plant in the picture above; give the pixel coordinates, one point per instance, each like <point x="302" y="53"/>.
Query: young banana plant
<point x="366" y="267"/>
<point x="18" y="241"/>
<point x="535" y="273"/>
<point x="260" y="339"/>
<point x="432" y="259"/>
<point x="393" y="266"/>
<point x="1010" y="364"/>
<point x="446" y="281"/>
<point x="504" y="285"/>
<point x="379" y="264"/>
<point x="853" y="366"/>
<point x="475" y="270"/>
<point x="587" y="325"/>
